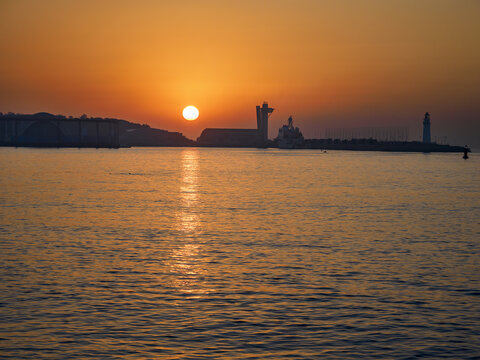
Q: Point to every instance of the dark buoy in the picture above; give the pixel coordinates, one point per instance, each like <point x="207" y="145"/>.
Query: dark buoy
<point x="466" y="150"/>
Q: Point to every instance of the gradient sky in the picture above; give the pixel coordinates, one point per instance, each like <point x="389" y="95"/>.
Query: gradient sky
<point x="328" y="63"/>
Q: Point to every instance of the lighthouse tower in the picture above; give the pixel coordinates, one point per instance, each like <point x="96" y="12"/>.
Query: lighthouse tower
<point x="426" y="129"/>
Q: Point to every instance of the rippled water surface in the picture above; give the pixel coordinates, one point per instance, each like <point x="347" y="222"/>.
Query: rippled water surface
<point x="184" y="253"/>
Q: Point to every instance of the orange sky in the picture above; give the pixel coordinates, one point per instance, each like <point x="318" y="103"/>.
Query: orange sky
<point x="328" y="63"/>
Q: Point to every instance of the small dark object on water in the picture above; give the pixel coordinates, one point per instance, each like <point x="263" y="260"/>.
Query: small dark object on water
<point x="466" y="150"/>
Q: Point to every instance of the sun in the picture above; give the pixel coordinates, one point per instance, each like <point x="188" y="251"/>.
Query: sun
<point x="190" y="113"/>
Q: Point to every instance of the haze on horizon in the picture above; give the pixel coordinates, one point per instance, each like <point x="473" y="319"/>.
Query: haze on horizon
<point x="328" y="63"/>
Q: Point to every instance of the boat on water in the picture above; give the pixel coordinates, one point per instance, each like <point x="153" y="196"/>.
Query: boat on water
<point x="290" y="137"/>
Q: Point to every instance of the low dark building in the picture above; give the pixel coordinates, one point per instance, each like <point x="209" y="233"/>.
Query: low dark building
<point x="230" y="138"/>
<point x="239" y="137"/>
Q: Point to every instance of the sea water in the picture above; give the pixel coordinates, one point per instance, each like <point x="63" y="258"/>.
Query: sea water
<point x="206" y="253"/>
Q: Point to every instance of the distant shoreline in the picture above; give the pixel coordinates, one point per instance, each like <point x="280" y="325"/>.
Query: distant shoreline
<point x="401" y="147"/>
<point x="44" y="130"/>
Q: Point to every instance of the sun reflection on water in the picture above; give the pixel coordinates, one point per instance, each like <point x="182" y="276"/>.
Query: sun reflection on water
<point x="184" y="259"/>
<point x="188" y="217"/>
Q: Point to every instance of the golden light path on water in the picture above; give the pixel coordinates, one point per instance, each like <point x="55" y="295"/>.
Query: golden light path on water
<point x="188" y="217"/>
<point x="183" y="258"/>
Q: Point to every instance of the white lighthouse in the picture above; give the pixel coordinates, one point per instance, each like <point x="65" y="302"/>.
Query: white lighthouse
<point x="426" y="128"/>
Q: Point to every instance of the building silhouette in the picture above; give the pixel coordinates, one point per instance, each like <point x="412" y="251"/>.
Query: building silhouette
<point x="47" y="130"/>
<point x="262" y="121"/>
<point x="239" y="137"/>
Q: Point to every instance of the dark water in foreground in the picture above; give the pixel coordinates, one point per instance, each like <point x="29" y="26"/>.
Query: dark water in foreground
<point x="229" y="253"/>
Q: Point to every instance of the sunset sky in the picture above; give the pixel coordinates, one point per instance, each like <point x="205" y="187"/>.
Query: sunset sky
<point x="328" y="63"/>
